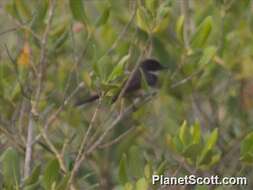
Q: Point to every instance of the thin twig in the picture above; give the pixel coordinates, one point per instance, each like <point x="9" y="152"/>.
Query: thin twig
<point x="116" y="140"/>
<point x="9" y="30"/>
<point x="54" y="115"/>
<point x="53" y="148"/>
<point x="185" y="79"/>
<point x="128" y="111"/>
<point x="22" y="26"/>
<point x="82" y="146"/>
<point x="42" y="60"/>
<point x="66" y="101"/>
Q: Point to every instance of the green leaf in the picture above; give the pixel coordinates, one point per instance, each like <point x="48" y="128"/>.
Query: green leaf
<point x="143" y="19"/>
<point x="247" y="158"/>
<point x="211" y="140"/>
<point x="34" y="186"/>
<point x="215" y="159"/>
<point x="162" y="167"/>
<point x="12" y="10"/>
<point x="40" y="14"/>
<point x="119" y="68"/>
<point x="87" y="79"/>
<point x="61" y="40"/>
<point x="192" y="151"/>
<point x="162" y="19"/>
<point x="142" y="184"/>
<point x="104" y="17"/>
<point x="23" y="10"/>
<point x="196" y="133"/>
<point x="152" y="5"/>
<point x="247" y="148"/>
<point x="123" y="170"/>
<point x="202" y="33"/>
<point x="128" y="186"/>
<point x="63" y="183"/>
<point x="180" y="28"/>
<point x="184" y="134"/>
<point x="77" y="9"/>
<point x="207" y="56"/>
<point x="178" y="144"/>
<point x="169" y="142"/>
<point x="205" y="158"/>
<point x="207" y="152"/>
<point x="148" y="170"/>
<point x="135" y="162"/>
<point x="34" y="177"/>
<point x="51" y="174"/>
<point x="11" y="168"/>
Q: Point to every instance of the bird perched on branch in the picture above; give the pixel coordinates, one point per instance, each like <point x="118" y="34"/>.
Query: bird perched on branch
<point x="148" y="69"/>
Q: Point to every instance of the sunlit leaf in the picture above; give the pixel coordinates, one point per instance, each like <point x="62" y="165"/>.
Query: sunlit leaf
<point x="180" y="28"/>
<point x="152" y="5"/>
<point x="184" y="133"/>
<point x="162" y="19"/>
<point x="211" y="140"/>
<point x="202" y="33"/>
<point x="143" y="19"/>
<point x="128" y="186"/>
<point x="207" y="56"/>
<point x="119" y="68"/>
<point x="247" y="148"/>
<point x="87" y="79"/>
<point x="142" y="184"/>
<point x="196" y="133"/>
<point x="148" y="170"/>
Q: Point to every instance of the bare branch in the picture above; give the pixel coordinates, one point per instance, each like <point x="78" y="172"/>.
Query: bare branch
<point x="82" y="146"/>
<point x="33" y="112"/>
<point x="28" y="151"/>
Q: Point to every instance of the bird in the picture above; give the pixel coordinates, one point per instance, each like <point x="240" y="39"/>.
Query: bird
<point x="148" y="68"/>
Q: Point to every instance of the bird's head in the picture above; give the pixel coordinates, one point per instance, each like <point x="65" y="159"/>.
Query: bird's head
<point x="151" y="65"/>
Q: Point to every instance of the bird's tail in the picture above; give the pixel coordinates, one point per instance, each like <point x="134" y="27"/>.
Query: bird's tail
<point x="88" y="100"/>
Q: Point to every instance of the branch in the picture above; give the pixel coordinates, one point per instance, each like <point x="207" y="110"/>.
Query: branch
<point x="33" y="111"/>
<point x="116" y="140"/>
<point x="185" y="11"/>
<point x="28" y="151"/>
<point x="81" y="149"/>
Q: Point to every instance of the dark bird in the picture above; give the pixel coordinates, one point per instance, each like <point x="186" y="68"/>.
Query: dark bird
<point x="148" y="68"/>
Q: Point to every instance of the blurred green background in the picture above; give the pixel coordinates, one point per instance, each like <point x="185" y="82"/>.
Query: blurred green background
<point x="54" y="52"/>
